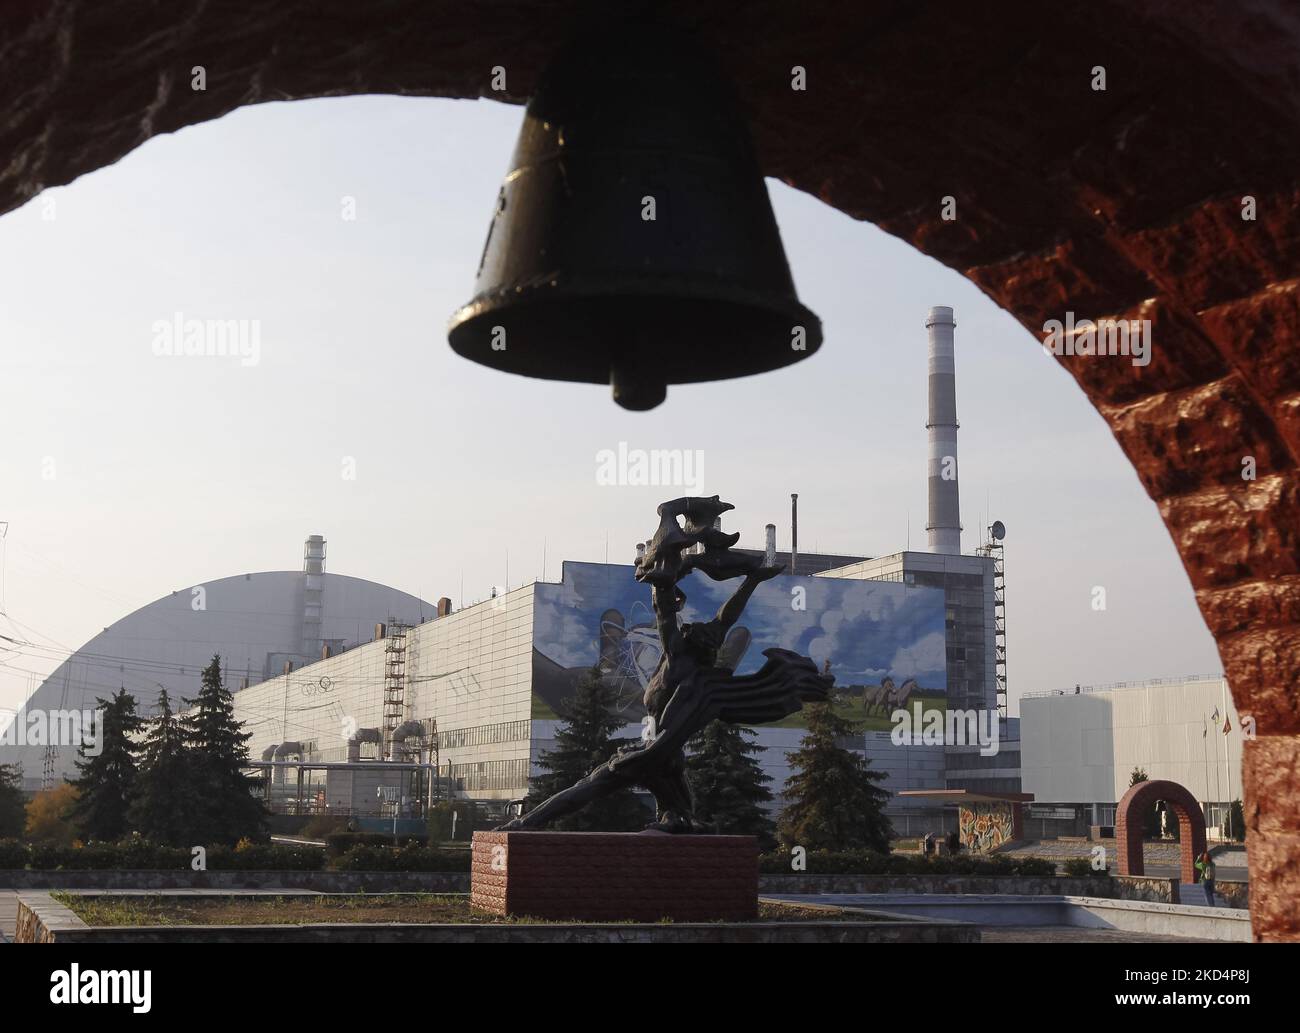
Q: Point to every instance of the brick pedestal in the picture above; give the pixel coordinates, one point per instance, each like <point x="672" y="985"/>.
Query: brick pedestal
<point x="616" y="876"/>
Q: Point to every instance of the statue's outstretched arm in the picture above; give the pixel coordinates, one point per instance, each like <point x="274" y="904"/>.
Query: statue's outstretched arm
<point x="730" y="611"/>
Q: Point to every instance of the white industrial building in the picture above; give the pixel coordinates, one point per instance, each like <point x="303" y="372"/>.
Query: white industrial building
<point x="256" y="622"/>
<point x="471" y="694"/>
<point x="1081" y="745"/>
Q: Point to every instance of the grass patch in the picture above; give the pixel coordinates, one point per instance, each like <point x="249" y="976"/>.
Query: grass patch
<point x="373" y="909"/>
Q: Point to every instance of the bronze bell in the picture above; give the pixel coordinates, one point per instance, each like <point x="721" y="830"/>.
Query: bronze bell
<point x="633" y="241"/>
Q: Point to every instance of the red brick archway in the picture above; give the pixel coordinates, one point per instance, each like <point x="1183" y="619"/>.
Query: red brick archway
<point x="1130" y="825"/>
<point x="1126" y="202"/>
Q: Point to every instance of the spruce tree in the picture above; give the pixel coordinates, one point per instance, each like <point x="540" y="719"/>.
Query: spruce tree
<point x="832" y="800"/>
<point x="13" y="802"/>
<point x="225" y="809"/>
<point x="583" y="742"/>
<point x="1150" y="820"/>
<point x="107" y="780"/>
<point x="727" y="784"/>
<point x="161" y="807"/>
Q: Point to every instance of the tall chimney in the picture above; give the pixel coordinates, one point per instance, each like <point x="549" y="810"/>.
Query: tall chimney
<point x="769" y="549"/>
<point x="313" y="594"/>
<point x="794" y="533"/>
<point x="944" y="524"/>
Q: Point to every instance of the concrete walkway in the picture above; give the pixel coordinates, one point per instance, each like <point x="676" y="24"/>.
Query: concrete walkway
<point x="1072" y="934"/>
<point x="1119" y="920"/>
<point x="9" y="900"/>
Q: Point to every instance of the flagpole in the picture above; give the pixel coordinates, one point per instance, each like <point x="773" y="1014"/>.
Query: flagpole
<point x="1214" y="723"/>
<point x="1205" y="752"/>
<point x="1227" y="763"/>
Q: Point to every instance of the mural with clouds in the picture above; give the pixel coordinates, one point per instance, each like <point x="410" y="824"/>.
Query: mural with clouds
<point x="871" y="633"/>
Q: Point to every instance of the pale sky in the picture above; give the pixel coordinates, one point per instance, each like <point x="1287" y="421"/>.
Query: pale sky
<point x="125" y="475"/>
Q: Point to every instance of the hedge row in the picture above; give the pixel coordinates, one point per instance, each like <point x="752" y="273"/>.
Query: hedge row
<point x="866" y="862"/>
<point x="138" y="854"/>
<point x="409" y="858"/>
<point x="379" y="856"/>
<point x="339" y="843"/>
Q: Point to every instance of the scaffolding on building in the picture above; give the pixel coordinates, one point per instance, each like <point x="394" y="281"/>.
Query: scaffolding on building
<point x="394" y="678"/>
<point x="994" y="549"/>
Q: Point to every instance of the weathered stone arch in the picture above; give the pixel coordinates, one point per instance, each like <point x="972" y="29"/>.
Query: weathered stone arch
<point x="1122" y="203"/>
<point x="1130" y="823"/>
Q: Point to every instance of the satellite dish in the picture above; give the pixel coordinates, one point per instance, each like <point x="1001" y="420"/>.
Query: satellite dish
<point x="998" y="530"/>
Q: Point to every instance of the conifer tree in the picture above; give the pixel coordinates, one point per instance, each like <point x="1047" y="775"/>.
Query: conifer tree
<point x="583" y="742"/>
<point x="224" y="807"/>
<point x="107" y="780"/>
<point x="832" y="799"/>
<point x="728" y="786"/>
<point x="13" y="801"/>
<point x="161" y="807"/>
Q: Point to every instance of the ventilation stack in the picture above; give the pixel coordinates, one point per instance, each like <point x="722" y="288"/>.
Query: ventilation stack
<point x="944" y="524"/>
<point x="313" y="595"/>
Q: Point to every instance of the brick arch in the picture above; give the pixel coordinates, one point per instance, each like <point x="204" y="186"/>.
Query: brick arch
<point x="1125" y="202"/>
<point x="1130" y="825"/>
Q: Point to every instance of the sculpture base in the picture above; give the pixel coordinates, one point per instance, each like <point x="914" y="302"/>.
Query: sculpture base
<point x="616" y="876"/>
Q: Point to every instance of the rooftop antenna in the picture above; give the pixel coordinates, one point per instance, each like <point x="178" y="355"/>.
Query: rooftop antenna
<point x="794" y="532"/>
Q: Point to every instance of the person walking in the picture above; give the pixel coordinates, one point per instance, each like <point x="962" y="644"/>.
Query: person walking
<point x="1206" y="867"/>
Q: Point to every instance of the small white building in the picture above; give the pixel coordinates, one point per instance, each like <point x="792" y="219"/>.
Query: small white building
<point x="1079" y="747"/>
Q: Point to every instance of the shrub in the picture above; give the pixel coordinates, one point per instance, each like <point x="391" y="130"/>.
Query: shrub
<point x="13" y="854"/>
<point x="866" y="862"/>
<point x="337" y="843"/>
<point x="140" y="854"/>
<point x="266" y="857"/>
<point x="1081" y="868"/>
<point x="1034" y="866"/>
<point x="410" y="858"/>
<point x="46" y="857"/>
<point x="322" y="825"/>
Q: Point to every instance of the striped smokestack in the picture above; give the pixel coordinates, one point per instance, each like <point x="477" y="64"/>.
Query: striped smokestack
<point x="944" y="524"/>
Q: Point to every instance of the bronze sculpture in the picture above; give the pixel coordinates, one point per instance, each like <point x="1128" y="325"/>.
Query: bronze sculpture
<point x="689" y="688"/>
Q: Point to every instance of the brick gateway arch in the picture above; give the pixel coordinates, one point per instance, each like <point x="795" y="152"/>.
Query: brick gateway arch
<point x="1130" y="824"/>
<point x="1126" y="202"/>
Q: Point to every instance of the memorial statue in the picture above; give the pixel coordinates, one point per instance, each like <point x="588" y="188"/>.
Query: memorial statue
<point x="689" y="688"/>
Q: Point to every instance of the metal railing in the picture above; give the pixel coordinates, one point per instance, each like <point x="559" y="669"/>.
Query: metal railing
<point x="1079" y="690"/>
